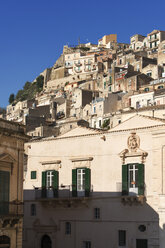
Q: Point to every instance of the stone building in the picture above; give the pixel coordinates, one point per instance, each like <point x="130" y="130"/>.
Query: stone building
<point x="106" y="190"/>
<point x="11" y="183"/>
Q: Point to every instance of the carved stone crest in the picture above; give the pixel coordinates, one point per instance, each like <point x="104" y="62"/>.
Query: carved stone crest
<point x="133" y="142"/>
<point x="133" y="150"/>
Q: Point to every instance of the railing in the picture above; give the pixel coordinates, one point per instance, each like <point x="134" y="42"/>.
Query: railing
<point x="77" y="70"/>
<point x="63" y="192"/>
<point x="78" y="63"/>
<point x="87" y="69"/>
<point x="68" y="66"/>
<point x="11" y="208"/>
<point x="87" y="62"/>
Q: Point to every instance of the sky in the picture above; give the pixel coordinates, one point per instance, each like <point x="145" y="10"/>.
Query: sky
<point x="33" y="32"/>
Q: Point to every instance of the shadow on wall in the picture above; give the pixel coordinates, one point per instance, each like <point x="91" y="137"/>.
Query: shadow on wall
<point x="61" y="218"/>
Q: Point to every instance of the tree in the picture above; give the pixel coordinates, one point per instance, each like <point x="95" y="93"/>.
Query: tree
<point x="106" y="124"/>
<point x="27" y="85"/>
<point x="40" y="82"/>
<point x="11" y="98"/>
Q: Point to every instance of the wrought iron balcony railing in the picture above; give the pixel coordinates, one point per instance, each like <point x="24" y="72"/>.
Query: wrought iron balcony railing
<point x="11" y="208"/>
<point x="63" y="192"/>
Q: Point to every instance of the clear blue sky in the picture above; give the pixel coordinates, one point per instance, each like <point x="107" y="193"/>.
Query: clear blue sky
<point x="33" y="32"/>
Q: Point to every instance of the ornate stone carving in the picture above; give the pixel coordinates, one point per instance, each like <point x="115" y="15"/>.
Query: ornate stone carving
<point x="133" y="142"/>
<point x="133" y="150"/>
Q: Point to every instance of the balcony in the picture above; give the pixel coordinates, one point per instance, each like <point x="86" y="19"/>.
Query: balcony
<point x="133" y="200"/>
<point x="11" y="214"/>
<point x="68" y="66"/>
<point x="77" y="63"/>
<point x="78" y="71"/>
<point x="130" y="198"/>
<point x="88" y="62"/>
<point x="63" y="196"/>
<point x="87" y="69"/>
<point x="11" y="209"/>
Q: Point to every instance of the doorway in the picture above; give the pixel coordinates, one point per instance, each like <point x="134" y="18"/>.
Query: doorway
<point x="46" y="242"/>
<point x="4" y="241"/>
<point x="141" y="243"/>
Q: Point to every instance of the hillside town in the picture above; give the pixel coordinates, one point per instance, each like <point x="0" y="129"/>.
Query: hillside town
<point x="98" y="85"/>
<point x="82" y="162"/>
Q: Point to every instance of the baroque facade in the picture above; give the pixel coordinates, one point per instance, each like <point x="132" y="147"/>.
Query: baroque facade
<point x="89" y="188"/>
<point x="12" y="138"/>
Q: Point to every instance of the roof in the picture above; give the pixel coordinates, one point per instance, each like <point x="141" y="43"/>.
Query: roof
<point x="133" y="123"/>
<point x="139" y="121"/>
<point x="80" y="131"/>
<point x="154" y="31"/>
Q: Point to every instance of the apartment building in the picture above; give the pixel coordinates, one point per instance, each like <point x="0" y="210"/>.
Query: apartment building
<point x="79" y="62"/>
<point x="154" y="39"/>
<point x="106" y="39"/>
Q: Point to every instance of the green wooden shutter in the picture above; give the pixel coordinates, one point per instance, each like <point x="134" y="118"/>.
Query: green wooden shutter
<point x="140" y="179"/>
<point x="4" y="192"/>
<point x="87" y="181"/>
<point x="74" y="182"/>
<point x="55" y="183"/>
<point x="33" y="174"/>
<point x="124" y="179"/>
<point x="43" y="193"/>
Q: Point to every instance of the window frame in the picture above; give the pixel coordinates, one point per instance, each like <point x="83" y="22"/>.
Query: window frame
<point x="121" y="239"/>
<point x="87" y="244"/>
<point x="68" y="228"/>
<point x="33" y="175"/>
<point x="33" y="211"/>
<point x="97" y="215"/>
<point x="140" y="181"/>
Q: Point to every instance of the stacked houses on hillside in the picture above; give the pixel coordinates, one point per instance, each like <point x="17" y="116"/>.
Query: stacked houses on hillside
<point x="94" y="171"/>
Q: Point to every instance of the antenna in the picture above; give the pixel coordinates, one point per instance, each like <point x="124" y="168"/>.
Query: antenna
<point x="79" y="41"/>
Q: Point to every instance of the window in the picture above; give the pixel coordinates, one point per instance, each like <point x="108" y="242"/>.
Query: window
<point x="137" y="105"/>
<point x="81" y="182"/>
<point x="33" y="210"/>
<point x="110" y="80"/>
<point x="87" y="244"/>
<point x="4" y="192"/>
<point x="97" y="213"/>
<point x="33" y="174"/>
<point x="122" y="237"/>
<point x="67" y="228"/>
<point x="94" y="109"/>
<point x="146" y="89"/>
<point x="160" y="87"/>
<point x="149" y="74"/>
<point x="133" y="179"/>
<point x="50" y="183"/>
<point x="99" y="123"/>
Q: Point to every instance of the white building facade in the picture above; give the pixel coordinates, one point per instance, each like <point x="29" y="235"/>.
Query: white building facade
<point x="97" y="189"/>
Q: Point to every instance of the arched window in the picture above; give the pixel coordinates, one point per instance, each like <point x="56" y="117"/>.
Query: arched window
<point x="46" y="242"/>
<point x="4" y="241"/>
